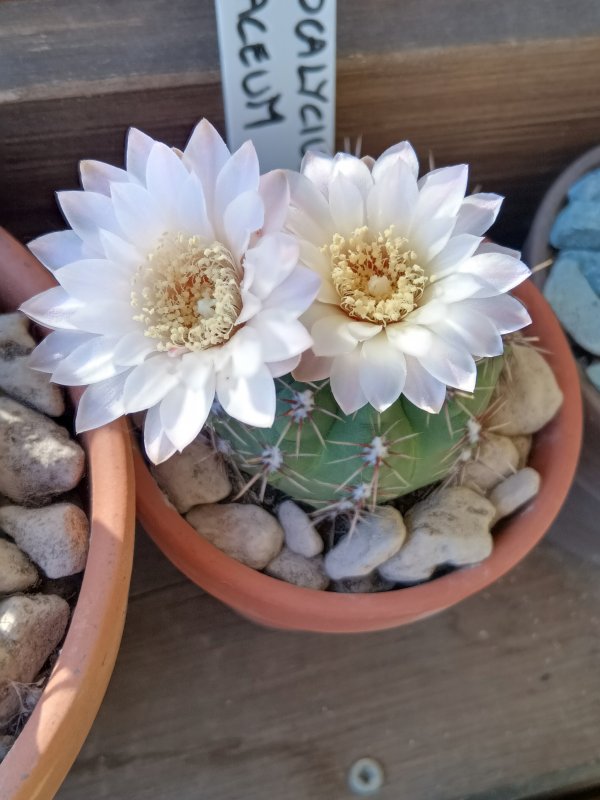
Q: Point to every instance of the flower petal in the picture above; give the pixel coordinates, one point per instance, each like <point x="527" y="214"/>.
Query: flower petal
<point x="458" y="249"/>
<point x="450" y="364"/>
<point x="312" y="367"/>
<point x="249" y="399"/>
<point x="101" y="403"/>
<point x="90" y="362"/>
<point x="355" y="170"/>
<point x="382" y="372"/>
<point x="251" y="305"/>
<point x="393" y="199"/>
<point x="422" y="389"/>
<point x="121" y="252"/>
<point x="139" y="146"/>
<point x="413" y="340"/>
<point x="466" y="328"/>
<point x="506" y="312"/>
<point x="275" y="192"/>
<point x="316" y="260"/>
<point x="183" y="413"/>
<point x="244" y="215"/>
<point x="441" y="192"/>
<point x="317" y="167"/>
<point x="138" y="214"/>
<point x="402" y="151"/>
<point x="500" y="271"/>
<point x="165" y="178"/>
<point x="110" y="317"/>
<point x="133" y="348"/>
<point x="296" y="292"/>
<point x="280" y="337"/>
<point x="309" y="216"/>
<point x="206" y="154"/>
<point x="156" y="442"/>
<point x="269" y="263"/>
<point x="56" y="249"/>
<point x="87" y="213"/>
<point x="56" y="346"/>
<point x="331" y="335"/>
<point x="345" y="387"/>
<point x="347" y="205"/>
<point x="191" y="211"/>
<point x="279" y="368"/>
<point x="92" y="278"/>
<point x="97" y="176"/>
<point x="477" y="213"/>
<point x="245" y="350"/>
<point x="455" y="287"/>
<point x="430" y="238"/>
<point x="53" y="308"/>
<point x="240" y="173"/>
<point x="148" y="383"/>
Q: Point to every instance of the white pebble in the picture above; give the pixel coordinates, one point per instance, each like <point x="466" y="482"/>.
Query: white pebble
<point x="54" y="537"/>
<point x="31" y="627"/>
<point x="527" y="395"/>
<point x="451" y="526"/>
<point x="374" y="540"/>
<point x="38" y="459"/>
<point x="17" y="573"/>
<point x="514" y="492"/>
<point x="300" y="534"/>
<point x="245" y="532"/>
<point x="523" y="444"/>
<point x="495" y="458"/>
<point x="16" y="376"/>
<point x="294" y="568"/>
<point x="193" y="477"/>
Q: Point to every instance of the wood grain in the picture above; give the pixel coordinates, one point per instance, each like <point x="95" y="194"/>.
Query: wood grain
<point x="497" y="698"/>
<point x="73" y="77"/>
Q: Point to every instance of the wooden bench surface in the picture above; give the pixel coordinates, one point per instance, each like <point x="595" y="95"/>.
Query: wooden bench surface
<point x="497" y="698"/>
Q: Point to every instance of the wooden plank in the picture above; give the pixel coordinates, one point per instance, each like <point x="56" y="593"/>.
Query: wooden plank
<point x="45" y="48"/>
<point x="495" y="107"/>
<point x="496" y="698"/>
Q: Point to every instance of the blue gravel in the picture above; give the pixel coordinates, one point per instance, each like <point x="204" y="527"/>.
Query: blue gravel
<point x="593" y="373"/>
<point x="586" y="188"/>
<point x="577" y="227"/>
<point x="574" y="301"/>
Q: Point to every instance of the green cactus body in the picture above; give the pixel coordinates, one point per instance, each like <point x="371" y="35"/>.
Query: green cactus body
<point x="316" y="454"/>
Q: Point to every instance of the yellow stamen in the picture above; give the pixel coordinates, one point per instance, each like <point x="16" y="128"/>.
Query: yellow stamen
<point x="377" y="277"/>
<point x="187" y="294"/>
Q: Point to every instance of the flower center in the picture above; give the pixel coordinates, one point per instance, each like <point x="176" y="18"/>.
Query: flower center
<point x="377" y="277"/>
<point x="187" y="294"/>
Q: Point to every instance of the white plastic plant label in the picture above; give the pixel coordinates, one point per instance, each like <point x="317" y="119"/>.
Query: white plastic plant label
<point x="278" y="76"/>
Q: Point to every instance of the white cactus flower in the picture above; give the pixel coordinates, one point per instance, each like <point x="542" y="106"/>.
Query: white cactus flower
<point x="411" y="294"/>
<point x="176" y="285"/>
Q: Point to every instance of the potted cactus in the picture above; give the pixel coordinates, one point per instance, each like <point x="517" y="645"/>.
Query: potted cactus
<point x="330" y="397"/>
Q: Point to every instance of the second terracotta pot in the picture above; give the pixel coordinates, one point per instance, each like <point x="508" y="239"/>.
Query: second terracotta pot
<point x="48" y="744"/>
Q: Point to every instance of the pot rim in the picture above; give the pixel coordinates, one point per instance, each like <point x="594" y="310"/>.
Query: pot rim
<point x="44" y="751"/>
<point x="279" y="604"/>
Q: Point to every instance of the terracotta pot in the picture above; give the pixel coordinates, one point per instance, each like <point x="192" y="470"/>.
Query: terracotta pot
<point x="46" y="748"/>
<point x="583" y="538"/>
<point x="282" y="605"/>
